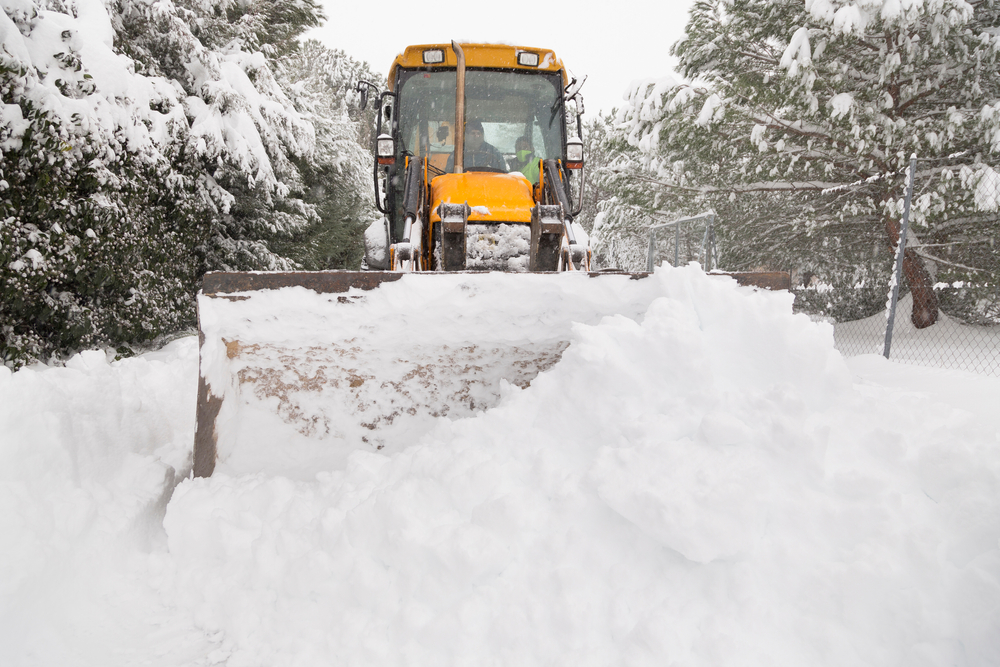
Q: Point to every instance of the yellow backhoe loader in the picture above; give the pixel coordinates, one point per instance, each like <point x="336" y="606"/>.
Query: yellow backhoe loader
<point x="478" y="181"/>
<point x="474" y="162"/>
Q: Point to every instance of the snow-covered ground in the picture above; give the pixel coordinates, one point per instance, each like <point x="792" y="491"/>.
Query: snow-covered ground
<point x="947" y="344"/>
<point x="705" y="483"/>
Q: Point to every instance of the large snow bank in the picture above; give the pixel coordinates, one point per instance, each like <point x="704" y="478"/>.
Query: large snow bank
<point x="321" y="373"/>
<point x="706" y="483"/>
<point x="89" y="455"/>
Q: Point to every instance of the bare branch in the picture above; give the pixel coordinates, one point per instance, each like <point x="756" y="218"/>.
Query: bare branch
<point x="933" y="258"/>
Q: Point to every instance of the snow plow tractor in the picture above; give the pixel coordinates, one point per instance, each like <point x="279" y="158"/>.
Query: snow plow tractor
<point x="472" y="279"/>
<point x="474" y="164"/>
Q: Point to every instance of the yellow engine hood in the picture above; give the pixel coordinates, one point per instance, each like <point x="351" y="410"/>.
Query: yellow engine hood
<point x="493" y="197"/>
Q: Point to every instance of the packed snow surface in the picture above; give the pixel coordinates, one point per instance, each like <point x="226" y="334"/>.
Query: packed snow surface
<point x="704" y="482"/>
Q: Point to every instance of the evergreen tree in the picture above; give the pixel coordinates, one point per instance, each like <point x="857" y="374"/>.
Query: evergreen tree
<point x="337" y="179"/>
<point x="142" y="144"/>
<point x="628" y="200"/>
<point x="803" y="115"/>
<point x="95" y="246"/>
<point x="626" y="205"/>
<point x="241" y="131"/>
<point x="597" y="152"/>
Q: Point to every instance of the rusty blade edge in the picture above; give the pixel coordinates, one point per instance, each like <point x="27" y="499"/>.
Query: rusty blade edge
<point x="328" y="282"/>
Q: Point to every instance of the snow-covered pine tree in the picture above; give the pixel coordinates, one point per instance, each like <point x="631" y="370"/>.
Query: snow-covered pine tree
<point x="269" y="26"/>
<point x="613" y="246"/>
<point x="242" y="131"/>
<point x="816" y="107"/>
<point x="627" y="203"/>
<point x="338" y="176"/>
<point x="627" y="199"/>
<point x="598" y="151"/>
<point x="142" y="143"/>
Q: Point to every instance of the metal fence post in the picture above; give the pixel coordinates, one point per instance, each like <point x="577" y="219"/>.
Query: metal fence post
<point x="715" y="249"/>
<point x="709" y="238"/>
<point x="652" y="249"/>
<point x="677" y="244"/>
<point x="900" y="249"/>
<point x="709" y="241"/>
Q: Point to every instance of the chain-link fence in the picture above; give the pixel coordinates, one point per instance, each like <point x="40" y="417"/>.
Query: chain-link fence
<point x="946" y="273"/>
<point x="945" y="308"/>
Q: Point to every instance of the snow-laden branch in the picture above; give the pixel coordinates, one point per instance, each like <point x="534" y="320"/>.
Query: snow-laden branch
<point x="763" y="186"/>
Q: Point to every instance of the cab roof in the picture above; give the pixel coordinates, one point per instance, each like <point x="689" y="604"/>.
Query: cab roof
<point x="493" y="56"/>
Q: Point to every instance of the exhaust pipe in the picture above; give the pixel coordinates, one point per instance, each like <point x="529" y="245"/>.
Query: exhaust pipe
<point x="459" y="109"/>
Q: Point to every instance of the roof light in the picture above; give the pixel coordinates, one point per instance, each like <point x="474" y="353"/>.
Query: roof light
<point x="433" y="57"/>
<point x="527" y="59"/>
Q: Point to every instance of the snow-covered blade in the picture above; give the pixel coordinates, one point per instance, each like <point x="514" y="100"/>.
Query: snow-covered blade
<point x="297" y="367"/>
<point x="305" y="367"/>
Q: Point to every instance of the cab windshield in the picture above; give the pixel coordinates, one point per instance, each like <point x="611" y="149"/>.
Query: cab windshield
<point x="509" y="105"/>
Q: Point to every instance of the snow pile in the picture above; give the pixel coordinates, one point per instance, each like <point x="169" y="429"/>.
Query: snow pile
<point x="313" y="372"/>
<point x="89" y="455"/>
<point x="87" y="440"/>
<point x="707" y="482"/>
<point x="498" y="247"/>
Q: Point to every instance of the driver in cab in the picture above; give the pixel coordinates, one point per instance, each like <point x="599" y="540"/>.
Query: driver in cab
<point x="478" y="152"/>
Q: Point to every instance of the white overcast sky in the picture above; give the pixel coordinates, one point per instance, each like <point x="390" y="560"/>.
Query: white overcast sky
<point x="612" y="42"/>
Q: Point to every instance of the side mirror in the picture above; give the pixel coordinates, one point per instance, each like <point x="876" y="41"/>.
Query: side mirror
<point x="362" y="89"/>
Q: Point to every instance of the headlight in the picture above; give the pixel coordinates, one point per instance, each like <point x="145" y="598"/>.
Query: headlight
<point x="385" y="149"/>
<point x="527" y="59"/>
<point x="574" y="153"/>
<point x="433" y="57"/>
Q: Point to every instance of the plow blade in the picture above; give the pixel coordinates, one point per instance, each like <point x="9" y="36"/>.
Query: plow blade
<point x="297" y="370"/>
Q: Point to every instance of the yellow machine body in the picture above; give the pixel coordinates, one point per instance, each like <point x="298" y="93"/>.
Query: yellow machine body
<point x="491" y="56"/>
<point x="492" y="197"/>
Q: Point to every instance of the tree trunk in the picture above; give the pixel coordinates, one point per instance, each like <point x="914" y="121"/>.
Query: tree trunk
<point x="925" y="302"/>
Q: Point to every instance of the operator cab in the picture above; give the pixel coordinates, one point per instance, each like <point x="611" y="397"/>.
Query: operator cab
<point x="509" y="105"/>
